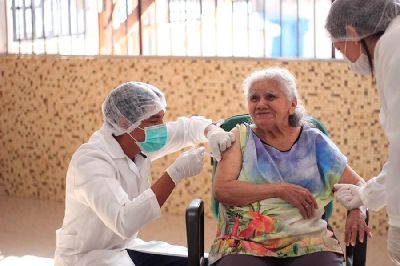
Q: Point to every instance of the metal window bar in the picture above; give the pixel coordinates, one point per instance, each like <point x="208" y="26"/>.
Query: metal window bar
<point x="35" y="8"/>
<point x="232" y="29"/>
<point x="315" y="29"/>
<point x="140" y="27"/>
<point x="248" y="27"/>
<point x="52" y="11"/>
<point x="52" y="17"/>
<point x="333" y="47"/>
<point x="297" y="29"/>
<point x="155" y="27"/>
<point x="14" y="17"/>
<point x="24" y="17"/>
<point x="126" y="26"/>
<point x="69" y="18"/>
<point x="264" y="25"/>
<point x="33" y="25"/>
<point x="59" y="26"/>
<point x="84" y="23"/>
<point x="281" y="28"/>
<point x="186" y="27"/>
<point x="77" y="17"/>
<point x="43" y="27"/>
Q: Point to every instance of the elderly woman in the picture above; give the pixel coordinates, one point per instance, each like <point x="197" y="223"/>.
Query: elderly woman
<point x="274" y="183"/>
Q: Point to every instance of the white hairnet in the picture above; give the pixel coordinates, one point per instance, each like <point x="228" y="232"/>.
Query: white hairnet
<point x="367" y="17"/>
<point x="129" y="104"/>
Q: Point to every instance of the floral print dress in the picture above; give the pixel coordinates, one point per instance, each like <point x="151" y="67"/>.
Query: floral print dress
<point x="273" y="227"/>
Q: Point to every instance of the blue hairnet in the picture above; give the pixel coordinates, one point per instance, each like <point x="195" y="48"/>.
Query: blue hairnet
<point x="129" y="104"/>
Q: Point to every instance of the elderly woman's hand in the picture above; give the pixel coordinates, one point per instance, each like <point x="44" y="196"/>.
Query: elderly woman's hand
<point x="299" y="197"/>
<point x="355" y="225"/>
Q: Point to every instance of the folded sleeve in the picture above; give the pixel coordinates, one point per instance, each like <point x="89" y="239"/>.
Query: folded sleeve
<point x="330" y="160"/>
<point x="182" y="133"/>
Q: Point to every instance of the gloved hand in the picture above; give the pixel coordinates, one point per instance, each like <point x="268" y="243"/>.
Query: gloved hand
<point x="393" y="244"/>
<point x="219" y="140"/>
<point x="187" y="164"/>
<point x="348" y="195"/>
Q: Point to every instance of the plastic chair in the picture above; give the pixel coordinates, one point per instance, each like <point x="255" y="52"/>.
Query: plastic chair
<point x="354" y="256"/>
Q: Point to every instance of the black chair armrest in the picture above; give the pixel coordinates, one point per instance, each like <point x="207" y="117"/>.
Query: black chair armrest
<point x="195" y="233"/>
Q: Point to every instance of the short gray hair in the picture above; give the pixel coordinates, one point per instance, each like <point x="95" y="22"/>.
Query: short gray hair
<point x="287" y="83"/>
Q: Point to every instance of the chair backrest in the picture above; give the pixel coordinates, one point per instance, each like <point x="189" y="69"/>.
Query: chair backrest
<point x="229" y="124"/>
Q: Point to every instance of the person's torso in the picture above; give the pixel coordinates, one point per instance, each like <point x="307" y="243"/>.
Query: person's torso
<point x="273" y="227"/>
<point x="83" y="231"/>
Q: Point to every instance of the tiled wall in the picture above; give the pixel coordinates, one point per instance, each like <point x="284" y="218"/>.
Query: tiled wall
<point x="51" y="105"/>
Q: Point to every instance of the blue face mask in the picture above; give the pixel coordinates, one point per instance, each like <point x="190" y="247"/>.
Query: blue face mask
<point x="155" y="138"/>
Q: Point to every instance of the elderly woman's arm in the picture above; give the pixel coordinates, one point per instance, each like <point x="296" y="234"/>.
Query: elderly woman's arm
<point x="349" y="176"/>
<point x="355" y="222"/>
<point x="230" y="191"/>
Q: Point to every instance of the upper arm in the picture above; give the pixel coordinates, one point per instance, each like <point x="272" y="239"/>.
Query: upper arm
<point x="229" y="167"/>
<point x="334" y="164"/>
<point x="330" y="160"/>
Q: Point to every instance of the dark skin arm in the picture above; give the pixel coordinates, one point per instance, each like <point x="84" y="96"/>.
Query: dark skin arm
<point x="355" y="221"/>
<point x="163" y="188"/>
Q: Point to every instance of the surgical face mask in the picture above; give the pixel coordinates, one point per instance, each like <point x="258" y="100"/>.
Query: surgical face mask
<point x="155" y="138"/>
<point x="361" y="65"/>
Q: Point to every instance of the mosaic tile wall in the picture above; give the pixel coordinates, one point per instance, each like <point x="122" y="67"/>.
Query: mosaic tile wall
<point x="51" y="105"/>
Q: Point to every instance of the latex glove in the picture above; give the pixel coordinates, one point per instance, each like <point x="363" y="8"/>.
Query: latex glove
<point x="348" y="195"/>
<point x="189" y="163"/>
<point x="393" y="244"/>
<point x="219" y="140"/>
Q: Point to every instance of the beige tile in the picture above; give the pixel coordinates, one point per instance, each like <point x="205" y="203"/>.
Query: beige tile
<point x="49" y="105"/>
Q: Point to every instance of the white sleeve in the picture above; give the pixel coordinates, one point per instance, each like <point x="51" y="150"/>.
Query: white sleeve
<point x="373" y="192"/>
<point x="96" y="186"/>
<point x="182" y="133"/>
<point x="389" y="65"/>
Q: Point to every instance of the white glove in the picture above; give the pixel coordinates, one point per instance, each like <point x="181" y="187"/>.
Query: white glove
<point x="348" y="195"/>
<point x="393" y="244"/>
<point x="219" y="140"/>
<point x="187" y="164"/>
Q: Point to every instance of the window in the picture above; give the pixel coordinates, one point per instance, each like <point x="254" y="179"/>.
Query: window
<point x="238" y="28"/>
<point x="47" y="26"/>
<point x="30" y="21"/>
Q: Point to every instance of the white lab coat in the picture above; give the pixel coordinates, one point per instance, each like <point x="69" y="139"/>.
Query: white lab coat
<point x="108" y="197"/>
<point x="384" y="190"/>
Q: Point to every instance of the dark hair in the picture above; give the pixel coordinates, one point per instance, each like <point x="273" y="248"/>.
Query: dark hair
<point x="368" y="52"/>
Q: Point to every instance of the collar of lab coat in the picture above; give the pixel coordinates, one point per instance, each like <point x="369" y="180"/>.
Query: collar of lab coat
<point x="394" y="23"/>
<point x="113" y="146"/>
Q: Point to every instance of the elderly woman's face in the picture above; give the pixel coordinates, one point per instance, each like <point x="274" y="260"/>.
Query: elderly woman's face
<point x="268" y="105"/>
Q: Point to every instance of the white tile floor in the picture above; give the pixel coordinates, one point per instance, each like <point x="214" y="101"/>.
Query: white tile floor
<point x="27" y="233"/>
